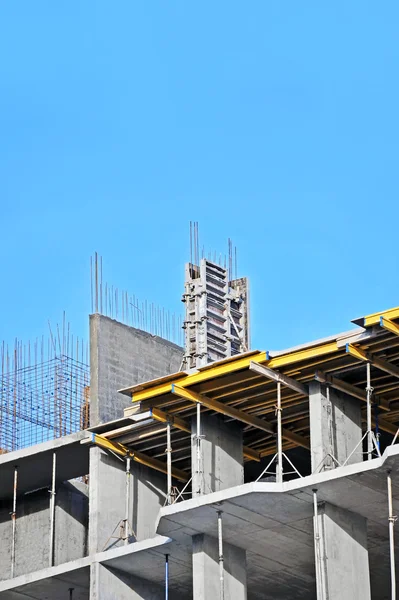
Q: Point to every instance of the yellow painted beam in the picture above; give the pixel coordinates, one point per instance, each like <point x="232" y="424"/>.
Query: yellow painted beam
<point x="184" y="425"/>
<point x="374" y="319"/>
<point x="139" y="457"/>
<point x="389" y="325"/>
<point x="379" y="363"/>
<point x="200" y="376"/>
<point x="301" y="355"/>
<point x="238" y="365"/>
<point x="239" y="415"/>
<point x="165" y="417"/>
<point x="350" y="389"/>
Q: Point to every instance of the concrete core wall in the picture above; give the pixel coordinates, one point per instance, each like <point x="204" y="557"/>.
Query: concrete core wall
<point x="32" y="536"/>
<point x="121" y="356"/>
<point x="108" y="500"/>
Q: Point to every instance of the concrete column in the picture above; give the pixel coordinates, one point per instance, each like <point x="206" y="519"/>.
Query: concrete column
<point x="335" y="427"/>
<point x="206" y="578"/>
<point x="342" y="564"/>
<point x="108" y="496"/>
<point x="112" y="584"/>
<point x="221" y="464"/>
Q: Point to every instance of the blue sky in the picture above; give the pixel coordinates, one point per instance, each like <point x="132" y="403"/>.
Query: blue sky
<point x="273" y="123"/>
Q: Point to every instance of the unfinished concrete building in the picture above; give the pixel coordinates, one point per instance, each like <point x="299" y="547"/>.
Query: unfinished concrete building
<point x="214" y="471"/>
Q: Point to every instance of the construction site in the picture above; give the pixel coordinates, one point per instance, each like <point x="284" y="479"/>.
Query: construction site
<point x="166" y="458"/>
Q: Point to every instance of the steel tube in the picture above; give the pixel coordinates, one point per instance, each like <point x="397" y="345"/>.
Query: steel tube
<point x="52" y="511"/>
<point x="14" y="520"/>
<point x="199" y="447"/>
<point x="391" y="520"/>
<point x="127" y="501"/>
<point x="166" y="576"/>
<point x="169" y="463"/>
<point x="320" y="581"/>
<point x="221" y="558"/>
<point x="369" y="391"/>
<point x="279" y="474"/>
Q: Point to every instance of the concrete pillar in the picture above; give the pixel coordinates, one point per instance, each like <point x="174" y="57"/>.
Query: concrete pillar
<point x="108" y="497"/>
<point x="335" y="427"/>
<point x="206" y="577"/>
<point x="221" y="463"/>
<point x="112" y="584"/>
<point x="342" y="564"/>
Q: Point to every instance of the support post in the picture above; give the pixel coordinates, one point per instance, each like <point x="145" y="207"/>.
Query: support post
<point x="369" y="391"/>
<point x="221" y="559"/>
<point x="320" y="574"/>
<point x="279" y="470"/>
<point x="198" y="440"/>
<point x="52" y="511"/>
<point x="391" y="520"/>
<point x="166" y="576"/>
<point x="169" y="463"/>
<point x="14" y="521"/>
<point x="127" y="501"/>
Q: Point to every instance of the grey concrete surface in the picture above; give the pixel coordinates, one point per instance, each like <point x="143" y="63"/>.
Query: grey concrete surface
<point x="335" y="427"/>
<point x="222" y="457"/>
<point x="121" y="356"/>
<point x="206" y="575"/>
<point x="274" y="524"/>
<point x="51" y="583"/>
<point x="33" y="529"/>
<point x="107" y="499"/>
<point x="35" y="464"/>
<point x="342" y="563"/>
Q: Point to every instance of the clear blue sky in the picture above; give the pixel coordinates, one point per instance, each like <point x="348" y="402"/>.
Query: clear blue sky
<point x="274" y="123"/>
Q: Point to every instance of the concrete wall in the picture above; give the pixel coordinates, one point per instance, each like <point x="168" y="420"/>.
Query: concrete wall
<point x="33" y="529"/>
<point x="111" y="584"/>
<point x="121" y="356"/>
<point x="107" y="499"/>
<point x="222" y="457"/>
<point x="206" y="575"/>
<point x="335" y="427"/>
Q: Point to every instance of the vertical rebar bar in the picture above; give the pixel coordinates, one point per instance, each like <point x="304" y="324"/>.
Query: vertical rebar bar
<point x="14" y="520"/>
<point x="391" y="521"/>
<point x="52" y="511"/>
<point x="279" y="474"/>
<point x="169" y="462"/>
<point x="221" y="557"/>
<point x="369" y="391"/>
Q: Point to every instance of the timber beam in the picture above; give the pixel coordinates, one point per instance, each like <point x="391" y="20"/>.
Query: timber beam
<point x="349" y="389"/>
<point x="379" y="363"/>
<point x="138" y="457"/>
<point x="289" y="382"/>
<point x="239" y="415"/>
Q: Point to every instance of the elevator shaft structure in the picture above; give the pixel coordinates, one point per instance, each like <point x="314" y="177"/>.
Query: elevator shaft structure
<point x="216" y="321"/>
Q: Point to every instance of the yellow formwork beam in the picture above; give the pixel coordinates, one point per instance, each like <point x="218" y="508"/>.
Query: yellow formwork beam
<point x="239" y="415"/>
<point x="374" y="319"/>
<point x="379" y="363"/>
<point x="138" y="457"/>
<point x="238" y="365"/>
<point x="389" y="325"/>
